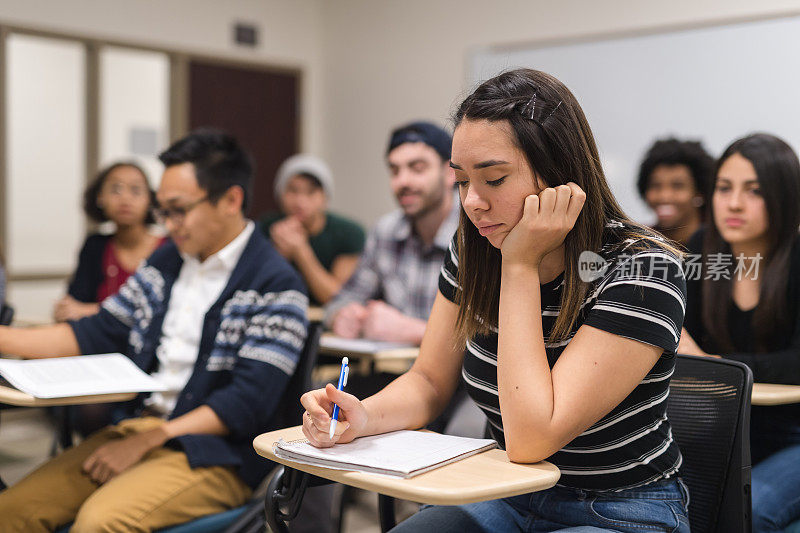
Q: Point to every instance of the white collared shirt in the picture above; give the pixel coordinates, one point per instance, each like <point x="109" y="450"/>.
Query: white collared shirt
<point x="198" y="286"/>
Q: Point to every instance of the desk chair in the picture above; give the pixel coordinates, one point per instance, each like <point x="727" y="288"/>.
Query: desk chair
<point x="249" y="517"/>
<point x="709" y="411"/>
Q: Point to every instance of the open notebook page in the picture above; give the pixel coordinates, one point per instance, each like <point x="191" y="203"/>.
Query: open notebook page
<point x="82" y="375"/>
<point x="400" y="453"/>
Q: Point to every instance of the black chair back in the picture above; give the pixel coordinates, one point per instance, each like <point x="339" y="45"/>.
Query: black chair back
<point x="6" y="314"/>
<point x="709" y="411"/>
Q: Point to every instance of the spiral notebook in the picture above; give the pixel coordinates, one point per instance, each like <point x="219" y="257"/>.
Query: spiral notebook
<point x="402" y="454"/>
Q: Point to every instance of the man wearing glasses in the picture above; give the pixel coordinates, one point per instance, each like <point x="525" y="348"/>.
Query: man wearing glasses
<point x="218" y="316"/>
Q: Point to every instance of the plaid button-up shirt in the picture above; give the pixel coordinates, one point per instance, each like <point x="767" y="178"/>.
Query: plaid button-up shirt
<point x="397" y="267"/>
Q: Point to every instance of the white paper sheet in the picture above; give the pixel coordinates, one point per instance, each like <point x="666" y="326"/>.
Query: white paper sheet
<point x="82" y="375"/>
<point x="399" y="453"/>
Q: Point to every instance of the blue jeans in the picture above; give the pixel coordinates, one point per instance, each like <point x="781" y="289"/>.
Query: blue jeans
<point x="776" y="491"/>
<point x="657" y="507"/>
<point x="775" y="447"/>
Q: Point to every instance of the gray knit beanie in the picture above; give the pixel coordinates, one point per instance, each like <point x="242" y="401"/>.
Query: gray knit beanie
<point x="303" y="164"/>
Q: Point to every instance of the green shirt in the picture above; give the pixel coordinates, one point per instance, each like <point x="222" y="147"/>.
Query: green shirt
<point x="340" y="236"/>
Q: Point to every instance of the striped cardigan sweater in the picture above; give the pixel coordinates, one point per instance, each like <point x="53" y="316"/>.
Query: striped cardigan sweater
<point x="252" y="337"/>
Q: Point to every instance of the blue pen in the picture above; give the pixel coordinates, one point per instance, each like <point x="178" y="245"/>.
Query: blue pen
<point x="342" y="382"/>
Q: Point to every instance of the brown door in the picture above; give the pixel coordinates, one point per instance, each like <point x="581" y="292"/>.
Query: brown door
<point x="257" y="106"/>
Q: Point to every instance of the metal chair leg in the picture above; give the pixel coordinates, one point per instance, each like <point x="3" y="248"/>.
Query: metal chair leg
<point x="251" y="521"/>
<point x="284" y="496"/>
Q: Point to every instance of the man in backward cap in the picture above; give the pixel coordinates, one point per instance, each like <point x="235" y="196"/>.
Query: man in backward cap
<point x="391" y="292"/>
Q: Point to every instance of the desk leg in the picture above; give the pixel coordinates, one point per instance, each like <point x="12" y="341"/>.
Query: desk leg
<point x="386" y="512"/>
<point x="66" y="428"/>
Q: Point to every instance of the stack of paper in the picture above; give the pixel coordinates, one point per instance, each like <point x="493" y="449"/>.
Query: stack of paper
<point x="400" y="453"/>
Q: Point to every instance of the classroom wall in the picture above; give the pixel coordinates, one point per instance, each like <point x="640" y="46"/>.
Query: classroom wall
<point x="388" y="62"/>
<point x="290" y="33"/>
<point x="370" y="64"/>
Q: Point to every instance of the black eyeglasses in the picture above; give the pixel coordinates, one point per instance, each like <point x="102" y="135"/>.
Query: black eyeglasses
<point x="175" y="214"/>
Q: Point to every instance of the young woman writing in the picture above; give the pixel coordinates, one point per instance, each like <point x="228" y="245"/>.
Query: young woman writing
<point x="568" y="365"/>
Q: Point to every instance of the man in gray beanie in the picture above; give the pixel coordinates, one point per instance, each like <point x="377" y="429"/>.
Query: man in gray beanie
<point x="324" y="247"/>
<point x="389" y="297"/>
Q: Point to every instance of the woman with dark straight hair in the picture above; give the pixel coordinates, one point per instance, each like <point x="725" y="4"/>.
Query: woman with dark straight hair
<point x="560" y="314"/>
<point x="745" y="307"/>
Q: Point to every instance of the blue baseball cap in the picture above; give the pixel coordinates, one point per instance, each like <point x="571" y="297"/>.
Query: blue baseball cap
<point x="422" y="132"/>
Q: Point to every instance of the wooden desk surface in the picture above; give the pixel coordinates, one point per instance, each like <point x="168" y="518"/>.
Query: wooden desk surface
<point x="773" y="394"/>
<point x="485" y="476"/>
<point x="315" y="314"/>
<point x="13" y="396"/>
<point x="391" y="354"/>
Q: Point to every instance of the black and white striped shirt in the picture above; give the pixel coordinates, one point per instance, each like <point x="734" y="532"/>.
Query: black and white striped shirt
<point x="642" y="296"/>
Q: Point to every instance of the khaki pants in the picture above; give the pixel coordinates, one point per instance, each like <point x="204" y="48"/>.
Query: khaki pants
<point x="160" y="491"/>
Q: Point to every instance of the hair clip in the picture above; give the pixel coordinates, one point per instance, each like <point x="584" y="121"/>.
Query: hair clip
<point x="554" y="110"/>
<point x="529" y="108"/>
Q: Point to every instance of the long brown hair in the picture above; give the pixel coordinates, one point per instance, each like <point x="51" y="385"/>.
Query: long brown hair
<point x="551" y="130"/>
<point x="778" y="172"/>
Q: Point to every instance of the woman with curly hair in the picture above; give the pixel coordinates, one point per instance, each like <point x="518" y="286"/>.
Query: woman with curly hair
<point x="121" y="194"/>
<point x="672" y="180"/>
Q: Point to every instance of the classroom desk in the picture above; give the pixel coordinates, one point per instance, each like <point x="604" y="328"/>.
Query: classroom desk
<point x="12" y="396"/>
<point x="315" y="314"/>
<point x="774" y="394"/>
<point x="367" y="360"/>
<point x="485" y="476"/>
<point x="32" y="322"/>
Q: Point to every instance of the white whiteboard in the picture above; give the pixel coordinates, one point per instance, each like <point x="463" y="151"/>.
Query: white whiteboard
<point x="713" y="84"/>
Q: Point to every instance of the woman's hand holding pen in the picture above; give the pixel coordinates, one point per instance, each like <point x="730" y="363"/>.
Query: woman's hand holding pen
<point x="317" y="418"/>
<point x="546" y="220"/>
